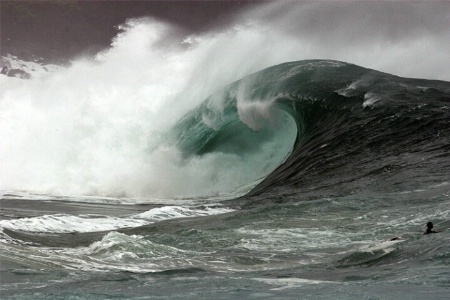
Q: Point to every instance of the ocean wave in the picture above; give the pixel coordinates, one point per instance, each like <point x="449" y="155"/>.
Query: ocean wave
<point x="286" y="125"/>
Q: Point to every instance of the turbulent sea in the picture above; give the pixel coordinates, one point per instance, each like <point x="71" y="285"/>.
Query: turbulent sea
<point x="288" y="183"/>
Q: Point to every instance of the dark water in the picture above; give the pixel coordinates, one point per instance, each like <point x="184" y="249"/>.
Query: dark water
<point x="360" y="157"/>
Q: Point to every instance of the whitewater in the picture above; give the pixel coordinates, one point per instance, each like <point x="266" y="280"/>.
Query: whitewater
<point x="250" y="162"/>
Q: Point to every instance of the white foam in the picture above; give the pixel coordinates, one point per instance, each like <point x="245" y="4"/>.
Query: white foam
<point x="72" y="134"/>
<point x="386" y="246"/>
<point x="291" y="240"/>
<point x="118" y="251"/>
<point x="173" y="212"/>
<point x="64" y="223"/>
<point x="290" y="283"/>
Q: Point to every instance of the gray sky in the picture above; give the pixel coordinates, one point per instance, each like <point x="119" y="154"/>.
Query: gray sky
<point x="401" y="37"/>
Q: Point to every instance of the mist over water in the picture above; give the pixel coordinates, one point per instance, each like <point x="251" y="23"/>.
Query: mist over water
<point x="98" y="126"/>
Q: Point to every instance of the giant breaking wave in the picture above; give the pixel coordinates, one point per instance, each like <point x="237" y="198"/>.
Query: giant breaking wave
<point x="106" y="128"/>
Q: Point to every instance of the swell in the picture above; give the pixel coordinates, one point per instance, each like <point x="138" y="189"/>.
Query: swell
<point x="365" y="130"/>
<point x="356" y="128"/>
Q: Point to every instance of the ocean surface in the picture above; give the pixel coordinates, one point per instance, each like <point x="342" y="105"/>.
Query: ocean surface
<point x="286" y="182"/>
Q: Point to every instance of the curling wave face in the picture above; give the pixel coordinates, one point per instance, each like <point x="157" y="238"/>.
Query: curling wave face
<point x="345" y="116"/>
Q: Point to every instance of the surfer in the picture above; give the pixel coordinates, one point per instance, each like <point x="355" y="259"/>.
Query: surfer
<point x="428" y="231"/>
<point x="430" y="228"/>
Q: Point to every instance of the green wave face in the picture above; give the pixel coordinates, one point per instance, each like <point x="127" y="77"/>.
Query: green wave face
<point x="242" y="155"/>
<point x="244" y="130"/>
